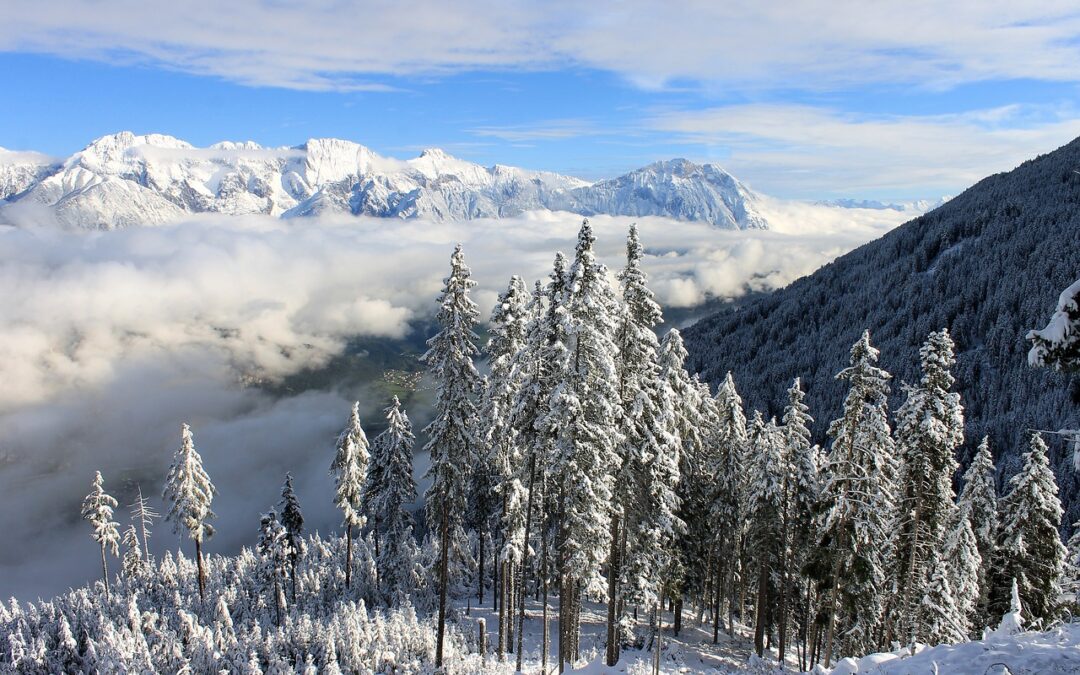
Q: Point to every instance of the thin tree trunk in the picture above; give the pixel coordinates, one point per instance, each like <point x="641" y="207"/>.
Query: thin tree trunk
<point x="717" y="591"/>
<point x="348" y="555"/>
<point x="480" y="575"/>
<point x="105" y="572"/>
<point x="544" y="576"/>
<point x="657" y="644"/>
<point x="613" y="600"/>
<point x="833" y="597"/>
<point x="677" y="609"/>
<point x="502" y="612"/>
<point x="444" y="573"/>
<point x="525" y="558"/>
<point x="198" y="567"/>
<point x="375" y="535"/>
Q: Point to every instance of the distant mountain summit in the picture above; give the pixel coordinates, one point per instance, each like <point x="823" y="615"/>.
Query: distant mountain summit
<point x="124" y="179"/>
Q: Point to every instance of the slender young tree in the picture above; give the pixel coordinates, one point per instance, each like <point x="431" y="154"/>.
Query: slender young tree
<point x="189" y="493"/>
<point x="143" y="516"/>
<point x="134" y="565"/>
<point x="388" y="501"/>
<point x="293" y="522"/>
<point x="584" y="407"/>
<point x="97" y="509"/>
<point x="1029" y="548"/>
<point x="452" y="440"/>
<point x="930" y="427"/>
<point x="856" y="504"/>
<point x="349" y="470"/>
<point x="942" y="621"/>
<point x="978" y="500"/>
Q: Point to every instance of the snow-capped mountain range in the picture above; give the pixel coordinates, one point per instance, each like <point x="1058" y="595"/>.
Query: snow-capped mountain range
<point x="124" y="179"/>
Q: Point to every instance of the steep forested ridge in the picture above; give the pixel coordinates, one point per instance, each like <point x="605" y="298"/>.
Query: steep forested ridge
<point x="989" y="265"/>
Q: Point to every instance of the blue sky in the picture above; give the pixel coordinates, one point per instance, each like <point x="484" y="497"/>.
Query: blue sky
<point x="812" y="100"/>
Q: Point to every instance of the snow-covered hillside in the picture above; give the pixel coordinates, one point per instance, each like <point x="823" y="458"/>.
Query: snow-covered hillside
<point x="123" y="179"/>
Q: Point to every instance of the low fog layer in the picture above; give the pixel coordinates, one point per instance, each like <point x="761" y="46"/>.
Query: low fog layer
<point x="110" y="340"/>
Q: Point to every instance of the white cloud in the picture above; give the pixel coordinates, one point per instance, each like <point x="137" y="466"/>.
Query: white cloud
<point x="318" y="44"/>
<point x="111" y="339"/>
<point x="805" y="150"/>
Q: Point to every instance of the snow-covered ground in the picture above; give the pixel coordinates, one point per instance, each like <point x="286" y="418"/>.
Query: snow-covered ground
<point x="692" y="651"/>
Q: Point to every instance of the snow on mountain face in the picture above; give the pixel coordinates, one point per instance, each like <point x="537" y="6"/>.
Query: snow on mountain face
<point x="124" y="179"/>
<point x="677" y="189"/>
<point x="20" y="170"/>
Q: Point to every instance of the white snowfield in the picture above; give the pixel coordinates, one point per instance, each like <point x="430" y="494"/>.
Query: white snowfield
<point x="1049" y="652"/>
<point x="124" y="179"/>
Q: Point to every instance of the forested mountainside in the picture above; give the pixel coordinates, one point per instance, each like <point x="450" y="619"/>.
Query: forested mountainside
<point x="989" y="265"/>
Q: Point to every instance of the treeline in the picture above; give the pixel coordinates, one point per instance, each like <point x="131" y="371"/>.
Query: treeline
<point x="587" y="463"/>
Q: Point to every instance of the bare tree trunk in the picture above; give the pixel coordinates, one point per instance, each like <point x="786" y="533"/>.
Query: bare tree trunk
<point x="502" y="612"/>
<point x="717" y="591"/>
<point x="348" y="556"/>
<point x="677" y="609"/>
<point x="198" y="567"/>
<point x="762" y="602"/>
<point x="544" y="577"/>
<point x="105" y="572"/>
<point x="833" y="597"/>
<point x="657" y="644"/>
<point x="613" y="600"/>
<point x="444" y="573"/>
<point x="480" y="572"/>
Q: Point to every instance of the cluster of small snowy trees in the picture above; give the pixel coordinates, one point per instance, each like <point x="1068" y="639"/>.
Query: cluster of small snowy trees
<point x="586" y="463"/>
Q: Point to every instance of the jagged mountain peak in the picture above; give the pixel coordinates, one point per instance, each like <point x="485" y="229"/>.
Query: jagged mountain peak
<point x="165" y="177"/>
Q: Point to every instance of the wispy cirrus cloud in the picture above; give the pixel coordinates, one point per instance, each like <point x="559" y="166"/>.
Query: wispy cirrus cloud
<point x="816" y="151"/>
<point x="812" y="44"/>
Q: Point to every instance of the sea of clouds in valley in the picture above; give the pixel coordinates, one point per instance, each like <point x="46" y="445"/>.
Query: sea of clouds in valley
<point x="110" y="340"/>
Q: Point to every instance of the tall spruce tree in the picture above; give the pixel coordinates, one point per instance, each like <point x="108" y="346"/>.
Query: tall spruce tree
<point x="978" y="500"/>
<point x="97" y="509"/>
<point x="930" y="426"/>
<point x="765" y="518"/>
<point x="274" y="554"/>
<point x="801" y="493"/>
<point x="639" y="541"/>
<point x="189" y="492"/>
<point x="963" y="564"/>
<point x="727" y="509"/>
<point x="1029" y="548"/>
<point x="452" y="441"/>
<point x="856" y="504"/>
<point x="502" y="454"/>
<point x="349" y="470"/>
<point x="584" y="407"/>
<point x="293" y="521"/>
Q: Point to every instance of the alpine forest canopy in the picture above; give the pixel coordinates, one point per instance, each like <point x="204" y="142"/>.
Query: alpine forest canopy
<point x="589" y="467"/>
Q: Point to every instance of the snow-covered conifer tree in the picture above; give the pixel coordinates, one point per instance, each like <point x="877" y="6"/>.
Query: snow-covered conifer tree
<point x="388" y="501"/>
<point x="349" y="469"/>
<point x="930" y="426"/>
<point x="1029" y="548"/>
<point x="646" y="427"/>
<point x="584" y="407"/>
<point x="1058" y="344"/>
<point x="452" y="437"/>
<point x="765" y="514"/>
<point x="978" y="499"/>
<point x="500" y="457"/>
<point x="963" y="564"/>
<point x="189" y="492"/>
<point x="801" y="493"/>
<point x="97" y="509"/>
<point x="941" y="621"/>
<point x="727" y="510"/>
<point x="275" y="555"/>
<point x="293" y="522"/>
<point x="850" y="556"/>
<point x="134" y="565"/>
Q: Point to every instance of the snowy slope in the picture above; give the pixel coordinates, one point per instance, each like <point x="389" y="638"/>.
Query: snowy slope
<point x="123" y="179"/>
